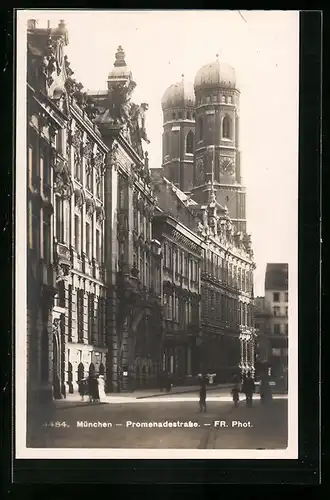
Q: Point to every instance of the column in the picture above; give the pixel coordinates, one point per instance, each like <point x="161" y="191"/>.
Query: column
<point x="95" y="331"/>
<point x="85" y="317"/>
<point x="74" y="312"/>
<point x="130" y="221"/>
<point x="189" y="360"/>
<point x="93" y="220"/>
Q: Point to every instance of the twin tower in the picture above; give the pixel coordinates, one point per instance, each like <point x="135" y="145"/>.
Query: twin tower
<point x="201" y="139"/>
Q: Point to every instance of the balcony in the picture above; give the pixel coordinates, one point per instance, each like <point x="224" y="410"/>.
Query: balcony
<point x="62" y="260"/>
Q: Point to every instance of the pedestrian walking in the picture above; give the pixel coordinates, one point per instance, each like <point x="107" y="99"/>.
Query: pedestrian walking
<point x="248" y="389"/>
<point x="168" y="382"/>
<point x="90" y="387"/>
<point x="82" y="387"/>
<point x="202" y="394"/>
<point x="265" y="390"/>
<point x="101" y="389"/>
<point x="235" y="392"/>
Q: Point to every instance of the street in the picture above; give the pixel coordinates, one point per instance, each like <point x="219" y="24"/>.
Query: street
<point x="168" y="422"/>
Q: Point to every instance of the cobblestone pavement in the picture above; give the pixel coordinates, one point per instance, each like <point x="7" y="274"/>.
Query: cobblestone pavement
<point x="176" y="424"/>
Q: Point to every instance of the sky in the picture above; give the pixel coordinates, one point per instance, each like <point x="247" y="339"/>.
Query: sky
<point x="262" y="46"/>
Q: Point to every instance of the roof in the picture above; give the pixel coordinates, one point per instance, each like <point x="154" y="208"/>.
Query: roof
<point x="180" y="94"/>
<point x="276" y="277"/>
<point x="186" y="200"/>
<point x="216" y="74"/>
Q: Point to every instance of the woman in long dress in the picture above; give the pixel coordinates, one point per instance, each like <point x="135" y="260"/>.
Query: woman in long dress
<point x="100" y="381"/>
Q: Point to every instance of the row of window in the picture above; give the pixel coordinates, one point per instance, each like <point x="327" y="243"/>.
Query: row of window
<point x="94" y="183"/>
<point x="83" y="237"/>
<point x="180" y="262"/>
<point x="219" y="307"/>
<point x="39" y="231"/>
<point x="279" y="297"/>
<point x="224" y="99"/>
<point x="142" y="225"/>
<point x="175" y="308"/>
<point x="280" y="329"/>
<point x="231" y="274"/>
<point x="278" y="311"/>
<point x="183" y="115"/>
<point x="94" y="331"/>
<point x="38" y="166"/>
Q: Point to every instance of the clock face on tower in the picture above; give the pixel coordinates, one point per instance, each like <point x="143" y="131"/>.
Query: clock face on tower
<point x="227" y="165"/>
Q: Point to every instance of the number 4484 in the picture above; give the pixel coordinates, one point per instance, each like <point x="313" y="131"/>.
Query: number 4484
<point x="56" y="424"/>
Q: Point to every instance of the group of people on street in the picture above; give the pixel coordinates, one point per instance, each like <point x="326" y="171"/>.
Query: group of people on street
<point x="93" y="387"/>
<point x="247" y="387"/>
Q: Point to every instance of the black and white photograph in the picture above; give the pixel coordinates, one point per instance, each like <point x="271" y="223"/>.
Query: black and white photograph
<point x="157" y="234"/>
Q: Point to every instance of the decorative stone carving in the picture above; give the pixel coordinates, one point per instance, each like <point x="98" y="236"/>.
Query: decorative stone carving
<point x="137" y="126"/>
<point x="90" y="206"/>
<point x="88" y="149"/>
<point x="52" y="64"/>
<point x="62" y="262"/>
<point x="63" y="184"/>
<point x="122" y="225"/>
<point x="247" y="243"/>
<point x="100" y="213"/>
<point x="77" y="139"/>
<point x="68" y="142"/>
<point x="56" y="327"/>
<point x="114" y="155"/>
<point x="79" y="197"/>
<point x="99" y="163"/>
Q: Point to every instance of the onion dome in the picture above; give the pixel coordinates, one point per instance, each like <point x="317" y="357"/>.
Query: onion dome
<point x="215" y="75"/>
<point x="179" y="95"/>
<point x="120" y="70"/>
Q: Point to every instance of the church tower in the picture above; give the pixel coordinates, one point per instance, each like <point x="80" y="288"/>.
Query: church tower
<point x="217" y="157"/>
<point x="179" y="135"/>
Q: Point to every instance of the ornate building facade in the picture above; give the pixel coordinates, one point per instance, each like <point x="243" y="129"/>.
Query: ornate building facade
<point x="68" y="158"/>
<point x="131" y="270"/>
<point x="132" y="255"/>
<point x="201" y="158"/>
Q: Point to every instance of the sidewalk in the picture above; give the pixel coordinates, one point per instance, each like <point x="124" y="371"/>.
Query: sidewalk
<point x="75" y="399"/>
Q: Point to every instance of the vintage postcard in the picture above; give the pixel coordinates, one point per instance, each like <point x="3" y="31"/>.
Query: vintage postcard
<point x="157" y="223"/>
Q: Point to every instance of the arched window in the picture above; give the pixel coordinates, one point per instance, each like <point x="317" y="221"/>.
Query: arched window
<point x="190" y="142"/>
<point x="173" y="116"/>
<point x="200" y="127"/>
<point x="226" y="128"/>
<point x="188" y="115"/>
<point x="180" y="115"/>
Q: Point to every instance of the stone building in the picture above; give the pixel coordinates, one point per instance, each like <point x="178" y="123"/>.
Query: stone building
<point x="131" y="270"/>
<point x="132" y="256"/>
<point x="271" y="320"/>
<point x="174" y="226"/>
<point x="178" y="104"/>
<point x="67" y="157"/>
<point x="201" y="159"/>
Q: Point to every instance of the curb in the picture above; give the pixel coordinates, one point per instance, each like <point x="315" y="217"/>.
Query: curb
<point x="175" y="393"/>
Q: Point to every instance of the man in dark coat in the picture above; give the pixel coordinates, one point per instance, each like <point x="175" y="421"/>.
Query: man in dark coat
<point x="248" y="389"/>
<point x="202" y="394"/>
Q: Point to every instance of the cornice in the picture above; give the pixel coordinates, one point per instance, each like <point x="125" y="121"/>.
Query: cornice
<point x="88" y="128"/>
